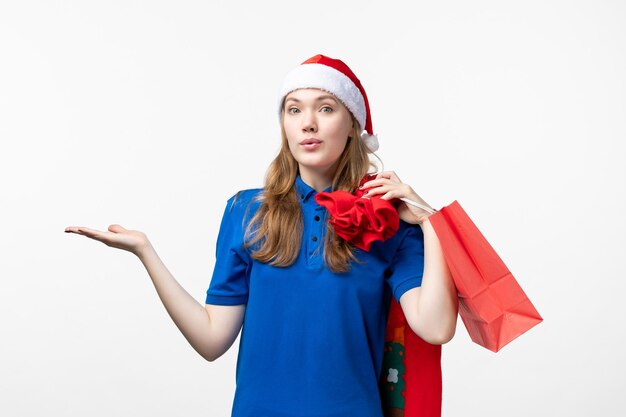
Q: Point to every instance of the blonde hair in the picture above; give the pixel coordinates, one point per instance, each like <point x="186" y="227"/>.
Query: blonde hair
<point x="277" y="226"/>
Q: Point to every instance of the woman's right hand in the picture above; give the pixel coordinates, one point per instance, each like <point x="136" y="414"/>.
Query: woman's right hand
<point x="117" y="237"/>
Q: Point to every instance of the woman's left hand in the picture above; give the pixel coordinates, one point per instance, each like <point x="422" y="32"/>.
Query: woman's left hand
<point x="389" y="185"/>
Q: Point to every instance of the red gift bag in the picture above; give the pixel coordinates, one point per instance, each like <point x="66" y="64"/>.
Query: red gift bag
<point x="410" y="379"/>
<point x="492" y="305"/>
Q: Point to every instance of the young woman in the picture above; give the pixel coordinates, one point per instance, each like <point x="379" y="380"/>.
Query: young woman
<point x="314" y="305"/>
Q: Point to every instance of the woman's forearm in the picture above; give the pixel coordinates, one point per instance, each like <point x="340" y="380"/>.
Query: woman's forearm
<point x="438" y="303"/>
<point x="188" y="314"/>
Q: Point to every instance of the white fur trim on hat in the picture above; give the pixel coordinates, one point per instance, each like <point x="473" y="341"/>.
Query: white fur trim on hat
<point x="328" y="79"/>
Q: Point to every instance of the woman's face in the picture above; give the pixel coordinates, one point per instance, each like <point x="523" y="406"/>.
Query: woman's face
<point x="317" y="126"/>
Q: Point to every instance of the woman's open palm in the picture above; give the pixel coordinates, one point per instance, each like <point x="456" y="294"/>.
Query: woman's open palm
<point x="117" y="237"/>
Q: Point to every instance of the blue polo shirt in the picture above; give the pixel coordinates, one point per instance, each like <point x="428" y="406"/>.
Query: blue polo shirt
<point x="312" y="340"/>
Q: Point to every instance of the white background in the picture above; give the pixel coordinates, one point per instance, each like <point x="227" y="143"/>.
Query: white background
<point x="151" y="114"/>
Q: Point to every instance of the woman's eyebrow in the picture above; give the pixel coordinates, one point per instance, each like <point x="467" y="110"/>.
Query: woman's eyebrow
<point x="320" y="98"/>
<point x="324" y="97"/>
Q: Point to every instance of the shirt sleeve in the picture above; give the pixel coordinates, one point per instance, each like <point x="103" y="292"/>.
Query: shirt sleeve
<point x="229" y="283"/>
<point x="407" y="266"/>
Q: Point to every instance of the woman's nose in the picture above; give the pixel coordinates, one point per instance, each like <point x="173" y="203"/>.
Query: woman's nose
<point x="309" y="124"/>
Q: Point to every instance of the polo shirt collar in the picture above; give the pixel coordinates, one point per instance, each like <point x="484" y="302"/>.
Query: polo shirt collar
<point x="305" y="191"/>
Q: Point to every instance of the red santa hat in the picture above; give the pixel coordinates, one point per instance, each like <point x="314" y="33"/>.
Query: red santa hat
<point x="333" y="76"/>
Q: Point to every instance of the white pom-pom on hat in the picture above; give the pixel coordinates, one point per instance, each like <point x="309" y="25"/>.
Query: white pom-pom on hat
<point x="371" y="141"/>
<point x="334" y="76"/>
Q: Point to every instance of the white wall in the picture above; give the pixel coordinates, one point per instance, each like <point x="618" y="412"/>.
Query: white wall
<point x="151" y="114"/>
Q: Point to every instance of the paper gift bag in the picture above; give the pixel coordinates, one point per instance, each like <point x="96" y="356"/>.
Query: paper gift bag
<point x="492" y="305"/>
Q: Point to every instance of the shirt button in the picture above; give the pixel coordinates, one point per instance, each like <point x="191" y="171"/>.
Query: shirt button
<point x="302" y="196"/>
<point x="314" y="238"/>
<point x="317" y="218"/>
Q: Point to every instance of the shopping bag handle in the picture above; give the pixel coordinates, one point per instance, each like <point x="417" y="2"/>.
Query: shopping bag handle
<point x="423" y="207"/>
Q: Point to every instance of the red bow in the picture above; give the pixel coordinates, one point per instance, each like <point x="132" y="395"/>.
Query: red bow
<point x="360" y="220"/>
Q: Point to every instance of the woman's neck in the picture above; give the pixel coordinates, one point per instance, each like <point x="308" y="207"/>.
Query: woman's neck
<point x="319" y="180"/>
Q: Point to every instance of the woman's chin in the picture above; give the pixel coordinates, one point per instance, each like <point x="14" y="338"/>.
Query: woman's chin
<point x="314" y="161"/>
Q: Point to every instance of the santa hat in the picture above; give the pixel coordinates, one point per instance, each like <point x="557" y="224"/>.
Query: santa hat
<point x="334" y="76"/>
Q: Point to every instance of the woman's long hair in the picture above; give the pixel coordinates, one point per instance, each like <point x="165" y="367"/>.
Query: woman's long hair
<point x="276" y="228"/>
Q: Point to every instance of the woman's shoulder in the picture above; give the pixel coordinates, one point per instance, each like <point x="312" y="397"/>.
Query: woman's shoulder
<point x="407" y="233"/>
<point x="245" y="196"/>
<point x="246" y="200"/>
<point x="406" y="236"/>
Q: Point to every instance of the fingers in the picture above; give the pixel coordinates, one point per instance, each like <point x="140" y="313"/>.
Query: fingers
<point x="116" y="228"/>
<point x="390" y="191"/>
<point x="384" y="177"/>
<point x="74" y="229"/>
<point x="387" y="184"/>
<point x="105" y="237"/>
<point x="85" y="231"/>
<point x="91" y="233"/>
<point x="391" y="175"/>
<point x="116" y="236"/>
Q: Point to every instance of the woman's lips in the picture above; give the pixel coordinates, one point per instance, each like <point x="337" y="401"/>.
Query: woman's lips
<point x="311" y="144"/>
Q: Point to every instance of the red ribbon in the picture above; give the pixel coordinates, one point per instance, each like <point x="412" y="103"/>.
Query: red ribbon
<point x="360" y="220"/>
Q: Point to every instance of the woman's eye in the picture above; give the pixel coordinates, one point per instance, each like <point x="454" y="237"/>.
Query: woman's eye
<point x="293" y="110"/>
<point x="327" y="109"/>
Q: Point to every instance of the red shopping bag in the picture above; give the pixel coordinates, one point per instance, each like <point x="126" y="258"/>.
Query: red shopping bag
<point x="492" y="305"/>
<point x="410" y="379"/>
